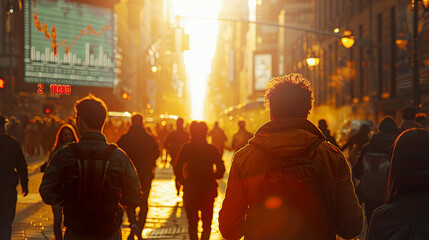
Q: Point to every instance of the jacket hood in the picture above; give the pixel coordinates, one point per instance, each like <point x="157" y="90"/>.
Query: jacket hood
<point x="286" y="137"/>
<point x="382" y="142"/>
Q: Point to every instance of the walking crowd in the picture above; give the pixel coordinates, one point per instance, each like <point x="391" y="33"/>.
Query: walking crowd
<point x="288" y="180"/>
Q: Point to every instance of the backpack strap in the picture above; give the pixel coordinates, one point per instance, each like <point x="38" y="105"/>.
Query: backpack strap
<point x="313" y="147"/>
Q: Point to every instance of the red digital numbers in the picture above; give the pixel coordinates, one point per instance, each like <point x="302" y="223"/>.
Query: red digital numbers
<point x="60" y="89"/>
<point x="40" y="90"/>
<point x="56" y="89"/>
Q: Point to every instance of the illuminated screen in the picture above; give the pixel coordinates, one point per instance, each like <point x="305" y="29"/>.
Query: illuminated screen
<point x="69" y="43"/>
<point x="262" y="70"/>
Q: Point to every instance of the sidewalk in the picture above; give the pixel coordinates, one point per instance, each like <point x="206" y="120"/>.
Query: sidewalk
<point x="166" y="217"/>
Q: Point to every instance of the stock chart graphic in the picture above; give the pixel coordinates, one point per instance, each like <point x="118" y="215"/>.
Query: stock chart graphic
<point x="71" y="43"/>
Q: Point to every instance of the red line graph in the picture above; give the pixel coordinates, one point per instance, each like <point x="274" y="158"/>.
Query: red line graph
<point x="53" y="33"/>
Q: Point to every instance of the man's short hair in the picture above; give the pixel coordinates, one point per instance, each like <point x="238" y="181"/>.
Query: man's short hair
<point x="289" y="96"/>
<point x="179" y="122"/>
<point x="92" y="111"/>
<point x="198" y="130"/>
<point x="409" y="113"/>
<point x="136" y="119"/>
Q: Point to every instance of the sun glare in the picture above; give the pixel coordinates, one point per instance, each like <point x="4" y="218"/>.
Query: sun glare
<point x="203" y="34"/>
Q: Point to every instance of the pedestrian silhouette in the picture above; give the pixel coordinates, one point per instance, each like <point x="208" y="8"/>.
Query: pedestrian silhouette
<point x="90" y="178"/>
<point x="13" y="169"/>
<point x="143" y="152"/>
<point x="409" y="118"/>
<point x="405" y="214"/>
<point x="372" y="167"/>
<point x="356" y="142"/>
<point x="218" y="138"/>
<point x="288" y="182"/>
<point x="241" y="138"/>
<point x="64" y="136"/>
<point x="323" y="126"/>
<point x="14" y="129"/>
<point x="173" y="143"/>
<point x="198" y="166"/>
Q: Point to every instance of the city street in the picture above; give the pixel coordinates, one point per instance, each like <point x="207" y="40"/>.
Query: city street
<point x="166" y="218"/>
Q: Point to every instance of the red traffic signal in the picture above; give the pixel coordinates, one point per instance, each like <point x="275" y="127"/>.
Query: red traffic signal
<point x="48" y="108"/>
<point x="126" y="96"/>
<point x="2" y="83"/>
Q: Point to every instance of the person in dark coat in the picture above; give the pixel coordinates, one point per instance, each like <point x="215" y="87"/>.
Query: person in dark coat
<point x="409" y="118"/>
<point x="406" y="212"/>
<point x="173" y="143"/>
<point x="218" y="138"/>
<point x="143" y="152"/>
<point x="356" y="142"/>
<point x="194" y="168"/>
<point x="14" y="129"/>
<point x="13" y="169"/>
<point x="91" y="210"/>
<point x="242" y="137"/>
<point x="381" y="143"/>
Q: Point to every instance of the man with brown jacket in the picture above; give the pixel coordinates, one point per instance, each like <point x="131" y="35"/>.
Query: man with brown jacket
<point x="289" y="135"/>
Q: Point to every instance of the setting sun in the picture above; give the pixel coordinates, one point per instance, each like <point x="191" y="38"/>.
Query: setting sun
<point x="203" y="35"/>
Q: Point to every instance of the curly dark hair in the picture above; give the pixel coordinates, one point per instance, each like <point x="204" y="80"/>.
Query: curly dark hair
<point x="289" y="96"/>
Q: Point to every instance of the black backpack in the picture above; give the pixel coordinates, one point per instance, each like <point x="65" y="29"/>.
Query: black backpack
<point x="373" y="184"/>
<point x="92" y="194"/>
<point x="295" y="200"/>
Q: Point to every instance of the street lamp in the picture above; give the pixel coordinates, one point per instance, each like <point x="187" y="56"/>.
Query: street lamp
<point x="312" y="60"/>
<point x="348" y="40"/>
<point x="154" y="69"/>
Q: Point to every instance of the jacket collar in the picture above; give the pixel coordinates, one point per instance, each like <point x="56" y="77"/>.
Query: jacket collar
<point x="281" y="124"/>
<point x="93" y="136"/>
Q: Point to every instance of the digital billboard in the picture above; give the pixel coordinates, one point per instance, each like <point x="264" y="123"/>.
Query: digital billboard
<point x="262" y="70"/>
<point x="69" y="43"/>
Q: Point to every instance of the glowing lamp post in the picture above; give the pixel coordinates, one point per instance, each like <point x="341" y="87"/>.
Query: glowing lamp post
<point x="313" y="61"/>
<point x="348" y="40"/>
<point x="154" y="69"/>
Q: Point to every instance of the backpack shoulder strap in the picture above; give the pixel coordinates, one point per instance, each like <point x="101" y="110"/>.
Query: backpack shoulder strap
<point x="77" y="151"/>
<point x="108" y="151"/>
<point x="313" y="147"/>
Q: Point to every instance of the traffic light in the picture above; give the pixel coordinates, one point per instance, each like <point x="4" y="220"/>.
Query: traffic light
<point x="2" y="84"/>
<point x="185" y="42"/>
<point x="170" y="41"/>
<point x="126" y="96"/>
<point x="48" y="108"/>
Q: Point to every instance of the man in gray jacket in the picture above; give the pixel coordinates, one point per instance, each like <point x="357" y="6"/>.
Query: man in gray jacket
<point x="90" y="178"/>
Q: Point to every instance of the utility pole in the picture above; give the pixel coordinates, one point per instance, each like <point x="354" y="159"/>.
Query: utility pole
<point x="414" y="56"/>
<point x="372" y="79"/>
<point x="11" y="92"/>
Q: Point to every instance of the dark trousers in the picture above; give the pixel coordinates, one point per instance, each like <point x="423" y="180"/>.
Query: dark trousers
<point x="369" y="210"/>
<point x="192" y="206"/>
<point x="146" y="185"/>
<point x="7" y="211"/>
<point x="57" y="210"/>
